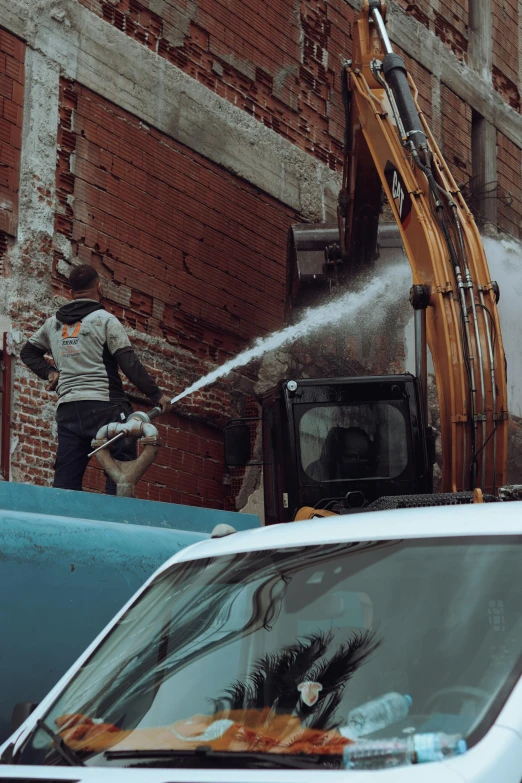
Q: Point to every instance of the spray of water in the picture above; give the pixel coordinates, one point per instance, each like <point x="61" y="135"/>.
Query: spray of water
<point x="504" y="265"/>
<point x="361" y="309"/>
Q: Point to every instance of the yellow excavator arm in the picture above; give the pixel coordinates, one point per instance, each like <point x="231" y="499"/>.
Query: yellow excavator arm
<point x="389" y="143"/>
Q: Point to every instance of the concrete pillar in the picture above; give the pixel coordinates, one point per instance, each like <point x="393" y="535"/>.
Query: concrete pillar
<point x="38" y="161"/>
<point x="436" y="105"/>
<point x="26" y="294"/>
<point x="37" y="183"/>
<point x="480" y="45"/>
<point x="483" y="133"/>
<point x="484" y="170"/>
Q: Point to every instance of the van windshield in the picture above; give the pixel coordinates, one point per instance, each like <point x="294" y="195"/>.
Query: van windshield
<point x="276" y="651"/>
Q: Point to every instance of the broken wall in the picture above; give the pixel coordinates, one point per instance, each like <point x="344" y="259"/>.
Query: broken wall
<point x="171" y="142"/>
<point x="277" y="61"/>
<point x="191" y="263"/>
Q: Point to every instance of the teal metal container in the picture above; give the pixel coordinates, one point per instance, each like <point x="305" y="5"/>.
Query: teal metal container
<point x="68" y="562"/>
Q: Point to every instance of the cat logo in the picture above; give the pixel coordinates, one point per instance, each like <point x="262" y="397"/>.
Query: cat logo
<point x="400" y="195"/>
<point x="74" y="333"/>
<point x="397" y="193"/>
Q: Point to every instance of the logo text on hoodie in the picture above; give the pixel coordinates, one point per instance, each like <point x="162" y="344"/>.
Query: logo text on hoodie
<point x="70" y="341"/>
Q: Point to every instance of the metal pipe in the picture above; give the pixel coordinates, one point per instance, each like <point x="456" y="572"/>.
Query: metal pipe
<point x="421" y="359"/>
<point x="493" y="385"/>
<point x="480" y="358"/>
<point x="108" y="442"/>
<point x="481" y="373"/>
<point x="376" y="70"/>
<point x="464" y="451"/>
<point x="126" y="474"/>
<point x="121" y="433"/>
<point x="381" y="29"/>
<point x="461" y="288"/>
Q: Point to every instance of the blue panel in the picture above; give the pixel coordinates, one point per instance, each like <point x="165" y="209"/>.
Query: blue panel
<point x="89" y="505"/>
<point x="64" y="574"/>
<point x="61" y="581"/>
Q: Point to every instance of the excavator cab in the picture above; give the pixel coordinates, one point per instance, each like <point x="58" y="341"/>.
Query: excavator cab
<point x="339" y="444"/>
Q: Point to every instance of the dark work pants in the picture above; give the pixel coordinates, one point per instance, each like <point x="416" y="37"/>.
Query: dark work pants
<point x="78" y="423"/>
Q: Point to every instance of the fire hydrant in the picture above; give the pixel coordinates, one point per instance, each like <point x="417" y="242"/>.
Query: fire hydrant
<point x="126" y="474"/>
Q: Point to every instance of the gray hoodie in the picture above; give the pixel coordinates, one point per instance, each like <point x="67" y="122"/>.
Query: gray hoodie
<point x="88" y="346"/>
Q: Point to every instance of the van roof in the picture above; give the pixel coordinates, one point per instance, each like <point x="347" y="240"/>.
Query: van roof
<point x="481" y="519"/>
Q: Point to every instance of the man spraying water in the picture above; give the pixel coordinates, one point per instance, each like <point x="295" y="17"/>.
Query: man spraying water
<point x="358" y="308"/>
<point x="88" y="346"/>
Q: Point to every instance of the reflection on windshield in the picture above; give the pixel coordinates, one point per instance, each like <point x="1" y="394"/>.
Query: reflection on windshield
<point x="287" y="705"/>
<point x="274" y="651"/>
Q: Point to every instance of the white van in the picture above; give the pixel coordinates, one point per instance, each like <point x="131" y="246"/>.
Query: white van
<point x="384" y="646"/>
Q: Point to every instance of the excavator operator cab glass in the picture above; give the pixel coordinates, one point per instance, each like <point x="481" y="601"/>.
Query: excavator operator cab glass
<point x="328" y="437"/>
<point x="353" y="442"/>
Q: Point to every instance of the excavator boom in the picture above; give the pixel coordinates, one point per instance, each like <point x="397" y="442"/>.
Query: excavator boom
<point x="389" y="143"/>
<point x="342" y="444"/>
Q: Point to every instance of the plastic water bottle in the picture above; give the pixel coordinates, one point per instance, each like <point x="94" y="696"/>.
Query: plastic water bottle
<point x="376" y="715"/>
<point x="415" y="749"/>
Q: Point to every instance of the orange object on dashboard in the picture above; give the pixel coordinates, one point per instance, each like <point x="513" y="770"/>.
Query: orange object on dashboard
<point x="233" y="730"/>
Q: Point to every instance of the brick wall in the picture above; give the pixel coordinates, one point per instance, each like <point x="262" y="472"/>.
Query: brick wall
<point x="193" y="255"/>
<point x="505" y="51"/>
<point x="456" y="135"/>
<point x="12" y="52"/>
<point x="193" y="258"/>
<point x="277" y="60"/>
<point x="31" y="428"/>
<point x="447" y="19"/>
<point x="421" y="10"/>
<point x="450" y="23"/>
<point x="194" y="264"/>
<point x="509" y="196"/>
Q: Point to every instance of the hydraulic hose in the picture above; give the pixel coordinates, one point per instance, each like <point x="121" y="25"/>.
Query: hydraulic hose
<point x="470" y="287"/>
<point x="414" y="137"/>
<point x="462" y="285"/>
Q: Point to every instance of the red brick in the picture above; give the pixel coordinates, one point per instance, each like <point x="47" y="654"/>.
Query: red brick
<point x="12" y="46"/>
<point x="266" y="39"/>
<point x="201" y="300"/>
<point x="506" y="41"/>
<point x="456" y="135"/>
<point x="18" y="93"/>
<point x="6" y="87"/>
<point x="9" y="156"/>
<point x="14" y="69"/>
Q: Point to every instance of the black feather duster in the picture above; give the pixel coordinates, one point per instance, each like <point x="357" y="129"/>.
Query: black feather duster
<point x="274" y="681"/>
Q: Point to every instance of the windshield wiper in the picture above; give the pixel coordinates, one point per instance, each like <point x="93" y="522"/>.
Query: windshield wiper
<point x="67" y="753"/>
<point x="203" y="752"/>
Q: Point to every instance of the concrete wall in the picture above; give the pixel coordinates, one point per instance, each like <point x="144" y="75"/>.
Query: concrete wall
<point x="172" y="142"/>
